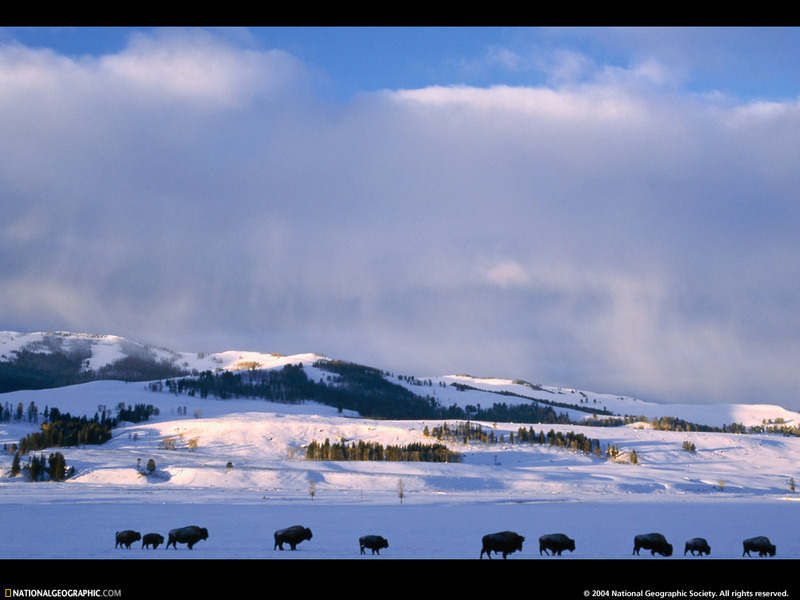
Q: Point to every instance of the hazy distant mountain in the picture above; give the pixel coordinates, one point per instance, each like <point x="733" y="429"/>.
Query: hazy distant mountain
<point x="53" y="359"/>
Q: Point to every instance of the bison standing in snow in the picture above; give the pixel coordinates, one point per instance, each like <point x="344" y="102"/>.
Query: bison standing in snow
<point x="373" y="542"/>
<point x="555" y="543"/>
<point x="760" y="544"/>
<point x="126" y="538"/>
<point x="655" y="542"/>
<point x="291" y="535"/>
<point x="698" y="545"/>
<point x="152" y="539"/>
<point x="505" y="542"/>
<point x="189" y="535"/>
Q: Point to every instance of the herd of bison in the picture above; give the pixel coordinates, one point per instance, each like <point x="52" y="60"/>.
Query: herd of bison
<point x="503" y="542"/>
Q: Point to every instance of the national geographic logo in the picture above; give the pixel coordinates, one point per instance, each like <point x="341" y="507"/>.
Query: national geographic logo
<point x="26" y="593"/>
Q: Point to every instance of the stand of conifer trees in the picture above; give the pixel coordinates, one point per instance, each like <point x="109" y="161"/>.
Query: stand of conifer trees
<point x="415" y="452"/>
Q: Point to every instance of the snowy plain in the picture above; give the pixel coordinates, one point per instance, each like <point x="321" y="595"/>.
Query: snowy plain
<point x="236" y="467"/>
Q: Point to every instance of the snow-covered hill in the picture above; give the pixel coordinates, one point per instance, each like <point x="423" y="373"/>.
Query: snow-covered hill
<point x="192" y="440"/>
<point x="237" y="467"/>
<point x="213" y="455"/>
<point x="99" y="353"/>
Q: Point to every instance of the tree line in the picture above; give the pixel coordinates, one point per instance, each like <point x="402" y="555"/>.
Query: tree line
<point x="53" y="468"/>
<point x="36" y="370"/>
<point x="374" y="451"/>
<point x="347" y="386"/>
<point x="466" y="432"/>
<point x="64" y="430"/>
<point x="367" y="391"/>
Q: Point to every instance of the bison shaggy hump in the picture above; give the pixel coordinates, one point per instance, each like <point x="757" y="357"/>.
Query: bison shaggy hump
<point x="698" y="545"/>
<point x="655" y="542"/>
<point x="760" y="544"/>
<point x="503" y="542"/>
<point x="126" y="538"/>
<point x="189" y="535"/>
<point x="373" y="542"/>
<point x="291" y="535"/>
<point x="555" y="543"/>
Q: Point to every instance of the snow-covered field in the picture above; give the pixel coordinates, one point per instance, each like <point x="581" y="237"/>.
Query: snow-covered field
<point x="236" y="467"/>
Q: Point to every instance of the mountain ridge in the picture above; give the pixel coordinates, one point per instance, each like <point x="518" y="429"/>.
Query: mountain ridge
<point x="42" y="360"/>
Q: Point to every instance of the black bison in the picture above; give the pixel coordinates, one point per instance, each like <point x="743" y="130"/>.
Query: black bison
<point x="152" y="539"/>
<point x="698" y="545"/>
<point x="189" y="535"/>
<point x="291" y="535"/>
<point x="505" y="542"/>
<point x="126" y="538"/>
<point x="373" y="542"/>
<point x="760" y="544"/>
<point x="555" y="543"/>
<point x="655" y="542"/>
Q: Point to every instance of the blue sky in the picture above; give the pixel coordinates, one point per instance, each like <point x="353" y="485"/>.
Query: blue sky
<point x="749" y="62"/>
<point x="612" y="209"/>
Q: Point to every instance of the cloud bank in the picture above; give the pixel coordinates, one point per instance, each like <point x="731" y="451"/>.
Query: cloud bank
<point x="611" y="233"/>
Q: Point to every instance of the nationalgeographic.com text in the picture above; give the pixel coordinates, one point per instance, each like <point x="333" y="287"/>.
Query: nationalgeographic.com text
<point x="11" y="593"/>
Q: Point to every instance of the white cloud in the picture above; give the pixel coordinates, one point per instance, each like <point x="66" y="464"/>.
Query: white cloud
<point x="598" y="234"/>
<point x="196" y="67"/>
<point x="503" y="273"/>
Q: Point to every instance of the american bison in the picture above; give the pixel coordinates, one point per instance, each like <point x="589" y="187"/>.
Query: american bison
<point x="189" y="535"/>
<point x="655" y="542"/>
<point x="152" y="539"/>
<point x="760" y="544"/>
<point x="126" y="538"/>
<point x="291" y="535"/>
<point x="373" y="542"/>
<point x="505" y="542"/>
<point x="698" y="545"/>
<point x="555" y="543"/>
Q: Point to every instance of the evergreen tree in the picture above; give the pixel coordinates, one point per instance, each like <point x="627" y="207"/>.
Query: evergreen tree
<point x="15" y="465"/>
<point x="57" y="468"/>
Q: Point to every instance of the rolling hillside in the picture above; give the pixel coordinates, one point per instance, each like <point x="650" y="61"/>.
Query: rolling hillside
<point x="240" y="466"/>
